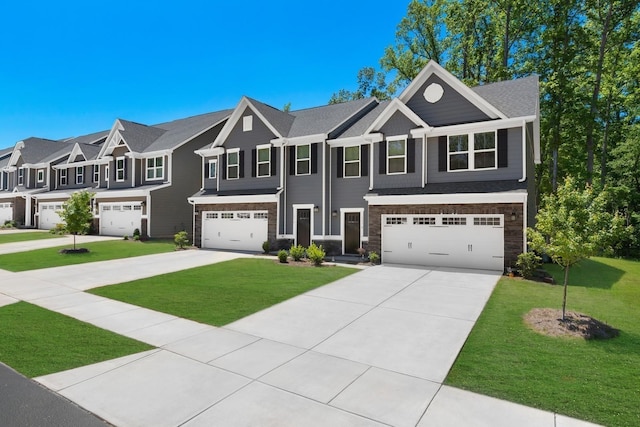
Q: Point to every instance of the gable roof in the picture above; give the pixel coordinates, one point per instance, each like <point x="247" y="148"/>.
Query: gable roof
<point x="328" y="118"/>
<point x="515" y="98"/>
<point x="394" y="106"/>
<point x="34" y="150"/>
<point x="360" y="127"/>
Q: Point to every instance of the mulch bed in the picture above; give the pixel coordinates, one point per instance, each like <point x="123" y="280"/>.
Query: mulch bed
<point x="74" y="251"/>
<point x="548" y="321"/>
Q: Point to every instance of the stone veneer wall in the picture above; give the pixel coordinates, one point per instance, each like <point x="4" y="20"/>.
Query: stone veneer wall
<point x="513" y="230"/>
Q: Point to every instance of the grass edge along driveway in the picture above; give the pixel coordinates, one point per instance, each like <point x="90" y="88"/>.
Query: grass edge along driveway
<point x="26" y="236"/>
<point x="219" y="294"/>
<point x="592" y="380"/>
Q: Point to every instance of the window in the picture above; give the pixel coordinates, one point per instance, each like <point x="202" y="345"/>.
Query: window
<point x="211" y="215"/>
<point x="454" y="221"/>
<point x="247" y="123"/>
<point x="227" y="215"/>
<point x="303" y="159"/>
<point x="396" y="220"/>
<point x="243" y="215"/>
<point x="472" y="151"/>
<point x="424" y="220"/>
<point x="21" y="176"/>
<point x="63" y="177"/>
<point x="397" y="156"/>
<point x="352" y="162"/>
<point x="120" y="165"/>
<point x="96" y="173"/>
<point x="155" y="168"/>
<point x="40" y="175"/>
<point x="263" y="159"/>
<point x="487" y="221"/>
<point x="233" y="164"/>
<point x="213" y="168"/>
<point x="79" y="175"/>
<point x="261" y="215"/>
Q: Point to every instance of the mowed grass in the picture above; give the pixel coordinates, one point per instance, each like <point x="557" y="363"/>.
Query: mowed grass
<point x="221" y="293"/>
<point x="98" y="251"/>
<point x="36" y="342"/>
<point x="24" y="237"/>
<point x="598" y="381"/>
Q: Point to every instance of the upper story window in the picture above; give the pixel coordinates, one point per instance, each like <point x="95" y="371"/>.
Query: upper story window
<point x="352" y="162"/>
<point x="303" y="159"/>
<point x="472" y="151"/>
<point x="96" y="173"/>
<point x="213" y="169"/>
<point x="247" y="123"/>
<point x="233" y="164"/>
<point x="63" y="177"/>
<point x="155" y="168"/>
<point x="397" y="156"/>
<point x="120" y="169"/>
<point x="106" y="173"/>
<point x="263" y="161"/>
<point x="40" y="175"/>
<point x="21" y="176"/>
<point x="80" y="175"/>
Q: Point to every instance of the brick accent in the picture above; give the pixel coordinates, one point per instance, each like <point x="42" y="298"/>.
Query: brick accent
<point x="272" y="208"/>
<point x="513" y="230"/>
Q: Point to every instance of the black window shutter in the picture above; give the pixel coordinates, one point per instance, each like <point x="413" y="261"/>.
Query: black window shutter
<point x="292" y="160"/>
<point x="206" y="169"/>
<point x="274" y="153"/>
<point x="254" y="154"/>
<point x="442" y="153"/>
<point x="339" y="161"/>
<point x="314" y="158"/>
<point x="503" y="161"/>
<point x="364" y="160"/>
<point x="411" y="155"/>
<point x="124" y="166"/>
<point x="223" y="169"/>
<point x="383" y="158"/>
<point x="241" y="174"/>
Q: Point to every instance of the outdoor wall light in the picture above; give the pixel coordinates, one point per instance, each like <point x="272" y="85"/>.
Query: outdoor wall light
<point x="513" y="215"/>
<point x="316" y="209"/>
<point x="334" y="213"/>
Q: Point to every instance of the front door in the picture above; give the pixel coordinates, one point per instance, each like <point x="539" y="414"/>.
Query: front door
<point x="351" y="233"/>
<point x="303" y="234"/>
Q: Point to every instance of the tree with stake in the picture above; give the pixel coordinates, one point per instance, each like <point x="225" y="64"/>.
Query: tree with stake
<point x="76" y="213"/>
<point x="574" y="224"/>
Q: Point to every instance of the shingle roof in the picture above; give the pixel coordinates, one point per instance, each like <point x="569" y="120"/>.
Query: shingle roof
<point x="36" y="150"/>
<point x="137" y="136"/>
<point x="359" y="127"/>
<point x="178" y="131"/>
<point x="90" y="151"/>
<point x="92" y="138"/>
<point x="515" y="98"/>
<point x="280" y="120"/>
<point x="324" y="119"/>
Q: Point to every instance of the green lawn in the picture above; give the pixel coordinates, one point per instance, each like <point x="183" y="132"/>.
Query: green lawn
<point x="35" y="341"/>
<point x="23" y="237"/>
<point x="218" y="294"/>
<point x="598" y="381"/>
<point x="99" y="251"/>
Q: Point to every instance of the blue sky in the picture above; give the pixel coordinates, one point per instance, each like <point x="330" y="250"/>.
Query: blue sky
<point x="70" y="68"/>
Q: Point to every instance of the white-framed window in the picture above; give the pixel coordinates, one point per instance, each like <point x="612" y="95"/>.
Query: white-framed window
<point x="454" y="220"/>
<point x="472" y="151"/>
<point x="396" y="220"/>
<point x="20" y="176"/>
<point x="233" y="164"/>
<point x="243" y="215"/>
<point x="351" y="162"/>
<point x="303" y="159"/>
<point x="226" y="215"/>
<point x="106" y="173"/>
<point x="396" y="156"/>
<point x="96" y="173"/>
<point x="424" y="220"/>
<point x="63" y="176"/>
<point x="155" y="168"/>
<point x="213" y="169"/>
<point x="40" y="175"/>
<point x="261" y="215"/>
<point x="247" y="123"/>
<point x="211" y="215"/>
<point x="120" y="165"/>
<point x="491" y="221"/>
<point x="79" y="175"/>
<point x="263" y="161"/>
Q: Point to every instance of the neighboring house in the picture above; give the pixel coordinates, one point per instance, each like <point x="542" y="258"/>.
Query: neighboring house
<point x="441" y="175"/>
<point x="6" y="206"/>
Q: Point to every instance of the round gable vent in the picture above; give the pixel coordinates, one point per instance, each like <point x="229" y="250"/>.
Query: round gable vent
<point x="433" y="93"/>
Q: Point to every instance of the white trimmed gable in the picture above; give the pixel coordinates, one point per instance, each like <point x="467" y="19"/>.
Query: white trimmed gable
<point x="395" y="106"/>
<point x="75" y="152"/>
<point x="235" y="118"/>
<point x="114" y="140"/>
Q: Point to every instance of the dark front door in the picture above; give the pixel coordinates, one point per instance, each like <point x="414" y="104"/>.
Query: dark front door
<point x="351" y="233"/>
<point x="303" y="236"/>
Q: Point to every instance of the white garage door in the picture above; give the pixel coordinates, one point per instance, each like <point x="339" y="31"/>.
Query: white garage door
<point x="48" y="215"/>
<point x="6" y="212"/>
<point x="242" y="230"/>
<point x="120" y="219"/>
<point x="467" y="241"/>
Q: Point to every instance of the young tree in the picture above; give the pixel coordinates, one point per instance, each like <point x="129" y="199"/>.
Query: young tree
<point x="573" y="225"/>
<point x="76" y="213"/>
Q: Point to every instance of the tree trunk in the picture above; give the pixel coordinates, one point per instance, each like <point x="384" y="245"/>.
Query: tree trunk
<point x="605" y="142"/>
<point x="564" y="296"/>
<point x="505" y="47"/>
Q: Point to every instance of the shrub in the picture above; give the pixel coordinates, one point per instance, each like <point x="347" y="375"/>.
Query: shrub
<point x="125" y="237"/>
<point x="136" y="232"/>
<point x="266" y="247"/>
<point x="58" y="229"/>
<point x="10" y="224"/>
<point x="283" y="255"/>
<point x="297" y="252"/>
<point x="374" y="257"/>
<point x="181" y="239"/>
<point x="316" y="254"/>
<point x="136" y="237"/>
<point x="527" y="264"/>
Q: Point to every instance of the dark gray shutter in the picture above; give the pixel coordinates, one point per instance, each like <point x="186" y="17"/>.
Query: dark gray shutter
<point x="241" y="167"/>
<point x="223" y="169"/>
<point x="383" y="158"/>
<point x="274" y="153"/>
<point x="314" y="158"/>
<point x="292" y="160"/>
<point x="339" y="161"/>
<point x="364" y="160"/>
<point x="503" y="136"/>
<point x="442" y="153"/>
<point x="206" y="169"/>
<point x="411" y="155"/>
<point x="254" y="159"/>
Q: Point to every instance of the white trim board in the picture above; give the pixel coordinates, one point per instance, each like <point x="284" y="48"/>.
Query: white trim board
<point x="448" y="199"/>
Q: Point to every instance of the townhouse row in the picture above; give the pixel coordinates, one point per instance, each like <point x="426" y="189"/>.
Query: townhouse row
<point x="441" y="175"/>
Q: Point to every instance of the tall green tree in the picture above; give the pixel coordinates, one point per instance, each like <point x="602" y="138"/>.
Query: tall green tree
<point x="76" y="214"/>
<point x="370" y="83"/>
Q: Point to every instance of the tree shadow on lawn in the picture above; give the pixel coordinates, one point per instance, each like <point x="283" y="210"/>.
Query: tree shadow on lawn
<point x="588" y="273"/>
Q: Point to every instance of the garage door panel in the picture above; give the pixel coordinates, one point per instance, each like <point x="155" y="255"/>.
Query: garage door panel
<point x="48" y="215"/>
<point x="237" y="230"/>
<point x="120" y="219"/>
<point x="6" y="212"/>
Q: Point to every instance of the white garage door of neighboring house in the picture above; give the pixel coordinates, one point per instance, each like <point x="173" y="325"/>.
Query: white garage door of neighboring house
<point x="6" y="212"/>
<point x="48" y="215"/>
<point x="241" y="230"/>
<point x="466" y="241"/>
<point x="120" y="219"/>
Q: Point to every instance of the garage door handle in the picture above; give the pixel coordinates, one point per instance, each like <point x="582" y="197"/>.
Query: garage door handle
<point x="470" y="248"/>
<point x="409" y="245"/>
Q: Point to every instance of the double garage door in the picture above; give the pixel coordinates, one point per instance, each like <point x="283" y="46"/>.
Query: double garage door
<point x="48" y="215"/>
<point x="6" y="212"/>
<point x="466" y="241"/>
<point x="120" y="219"/>
<point x="235" y="230"/>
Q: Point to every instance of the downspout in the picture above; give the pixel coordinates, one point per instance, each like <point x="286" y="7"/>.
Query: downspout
<point x="524" y="152"/>
<point x="424" y="160"/>
<point x="330" y="204"/>
<point x="283" y="184"/>
<point x="324" y="185"/>
<point x="133" y="173"/>
<point x="371" y="166"/>
<point x="193" y="216"/>
<point x="525" y="219"/>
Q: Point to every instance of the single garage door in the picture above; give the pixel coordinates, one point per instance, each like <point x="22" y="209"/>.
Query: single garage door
<point x="120" y="219"/>
<point x="466" y="241"/>
<point x="48" y="215"/>
<point x="242" y="230"/>
<point x="6" y="212"/>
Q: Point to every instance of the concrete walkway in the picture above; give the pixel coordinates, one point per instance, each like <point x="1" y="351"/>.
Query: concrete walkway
<point x="370" y="349"/>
